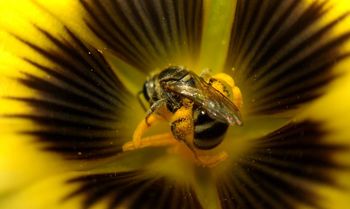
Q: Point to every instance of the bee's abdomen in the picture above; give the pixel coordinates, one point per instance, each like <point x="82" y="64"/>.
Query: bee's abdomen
<point x="208" y="132"/>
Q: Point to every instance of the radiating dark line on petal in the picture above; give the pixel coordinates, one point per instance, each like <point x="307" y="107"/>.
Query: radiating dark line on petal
<point x="282" y="168"/>
<point x="147" y="34"/>
<point x="79" y="103"/>
<point x="282" y="54"/>
<point x="135" y="189"/>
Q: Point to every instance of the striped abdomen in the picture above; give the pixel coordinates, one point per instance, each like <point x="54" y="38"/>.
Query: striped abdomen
<point x="208" y="132"/>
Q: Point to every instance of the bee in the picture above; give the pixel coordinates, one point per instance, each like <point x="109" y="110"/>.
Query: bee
<point x="199" y="108"/>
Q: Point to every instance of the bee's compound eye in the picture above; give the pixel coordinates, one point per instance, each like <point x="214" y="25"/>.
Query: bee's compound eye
<point x="145" y="92"/>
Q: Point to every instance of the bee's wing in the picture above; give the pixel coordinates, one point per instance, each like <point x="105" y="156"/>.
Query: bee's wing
<point x="216" y="104"/>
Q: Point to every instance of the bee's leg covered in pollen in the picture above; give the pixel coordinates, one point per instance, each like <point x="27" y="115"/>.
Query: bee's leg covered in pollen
<point x="182" y="123"/>
<point x="183" y="130"/>
<point x="236" y="96"/>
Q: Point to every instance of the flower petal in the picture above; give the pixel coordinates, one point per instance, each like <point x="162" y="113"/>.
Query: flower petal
<point x="284" y="52"/>
<point x="284" y="169"/>
<point x="79" y="103"/>
<point x="133" y="189"/>
<point x="148" y="34"/>
<point x="219" y="16"/>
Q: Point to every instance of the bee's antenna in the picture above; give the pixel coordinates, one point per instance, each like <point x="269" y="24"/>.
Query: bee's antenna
<point x="140" y="100"/>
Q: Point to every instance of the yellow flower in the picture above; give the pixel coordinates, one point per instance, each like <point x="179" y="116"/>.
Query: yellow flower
<point x="70" y="71"/>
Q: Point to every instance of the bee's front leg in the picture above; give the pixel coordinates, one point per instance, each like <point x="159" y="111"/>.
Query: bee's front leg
<point x="138" y="142"/>
<point x="155" y="114"/>
<point x="152" y="117"/>
<point x="153" y="111"/>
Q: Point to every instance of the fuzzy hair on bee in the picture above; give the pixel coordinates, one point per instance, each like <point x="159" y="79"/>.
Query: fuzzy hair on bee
<point x="199" y="108"/>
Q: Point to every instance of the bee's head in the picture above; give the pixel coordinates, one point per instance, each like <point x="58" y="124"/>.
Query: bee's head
<point x="150" y="89"/>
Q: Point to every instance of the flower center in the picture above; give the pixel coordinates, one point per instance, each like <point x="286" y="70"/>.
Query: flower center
<point x="199" y="109"/>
